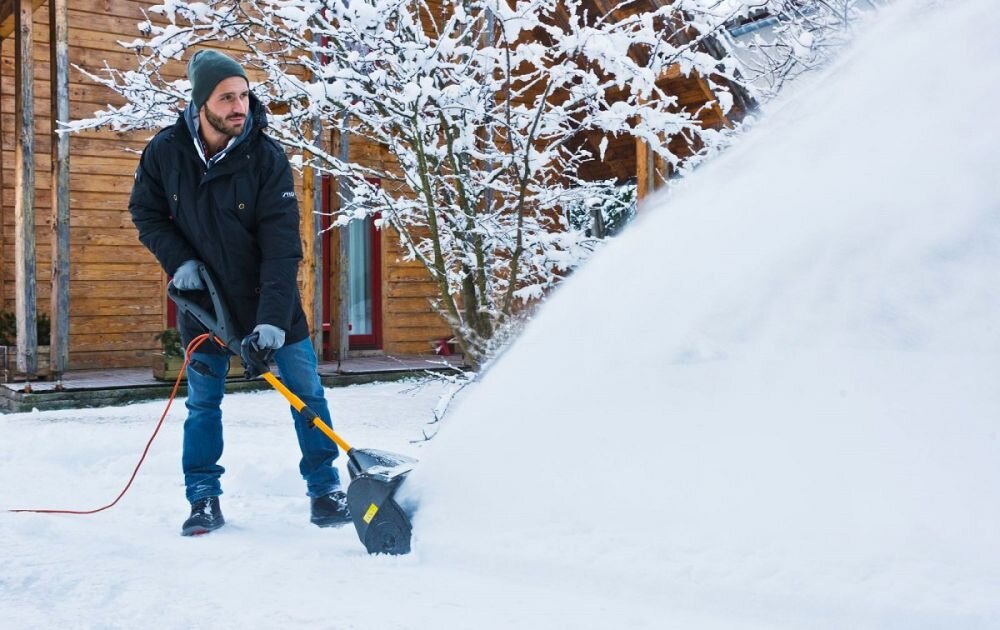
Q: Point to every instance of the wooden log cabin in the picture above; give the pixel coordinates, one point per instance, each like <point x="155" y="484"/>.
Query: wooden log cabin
<point x="68" y="248"/>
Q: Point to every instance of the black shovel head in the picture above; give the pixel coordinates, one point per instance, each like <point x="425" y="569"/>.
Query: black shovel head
<point x="383" y="526"/>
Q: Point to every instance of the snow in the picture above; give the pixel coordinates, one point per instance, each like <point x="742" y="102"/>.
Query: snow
<point x="128" y="567"/>
<point x="773" y="399"/>
<point x="770" y="403"/>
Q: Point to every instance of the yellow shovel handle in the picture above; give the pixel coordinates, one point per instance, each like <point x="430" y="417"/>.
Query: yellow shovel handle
<point x="302" y="408"/>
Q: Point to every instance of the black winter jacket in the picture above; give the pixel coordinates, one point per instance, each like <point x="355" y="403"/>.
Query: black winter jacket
<point x="239" y="216"/>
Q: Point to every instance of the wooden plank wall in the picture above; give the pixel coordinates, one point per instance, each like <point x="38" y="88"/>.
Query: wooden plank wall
<point x="411" y="324"/>
<point x="115" y="284"/>
<point x="116" y="287"/>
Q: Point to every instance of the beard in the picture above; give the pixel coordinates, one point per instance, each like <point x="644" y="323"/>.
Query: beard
<point x="232" y="126"/>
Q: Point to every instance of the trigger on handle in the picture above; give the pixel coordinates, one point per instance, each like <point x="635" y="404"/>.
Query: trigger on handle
<point x="255" y="360"/>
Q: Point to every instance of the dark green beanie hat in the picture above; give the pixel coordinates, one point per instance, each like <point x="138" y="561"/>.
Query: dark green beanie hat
<point x="206" y="69"/>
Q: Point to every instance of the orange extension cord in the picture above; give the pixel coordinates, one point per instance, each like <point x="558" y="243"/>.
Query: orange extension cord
<point x="197" y="341"/>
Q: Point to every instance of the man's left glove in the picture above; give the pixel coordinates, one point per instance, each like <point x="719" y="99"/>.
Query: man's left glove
<point x="258" y="347"/>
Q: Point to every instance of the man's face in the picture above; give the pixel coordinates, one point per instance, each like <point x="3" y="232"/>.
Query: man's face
<point x="226" y="108"/>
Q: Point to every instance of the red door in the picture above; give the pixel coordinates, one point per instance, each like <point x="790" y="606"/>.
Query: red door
<point x="364" y="265"/>
<point x="364" y="282"/>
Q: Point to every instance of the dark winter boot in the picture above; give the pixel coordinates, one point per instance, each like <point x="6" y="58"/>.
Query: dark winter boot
<point x="206" y="516"/>
<point x="330" y="510"/>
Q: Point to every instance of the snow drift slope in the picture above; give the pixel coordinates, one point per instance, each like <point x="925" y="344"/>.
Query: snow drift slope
<point x="776" y="395"/>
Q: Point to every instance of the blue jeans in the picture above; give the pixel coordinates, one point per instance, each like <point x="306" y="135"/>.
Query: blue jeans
<point x="203" y="427"/>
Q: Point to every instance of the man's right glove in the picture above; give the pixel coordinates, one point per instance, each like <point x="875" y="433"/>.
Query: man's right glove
<point x="187" y="278"/>
<point x="255" y="359"/>
<point x="258" y="347"/>
<point x="269" y="336"/>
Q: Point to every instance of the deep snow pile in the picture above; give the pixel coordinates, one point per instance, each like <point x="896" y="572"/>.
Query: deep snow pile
<point x="771" y="403"/>
<point x="776" y="395"/>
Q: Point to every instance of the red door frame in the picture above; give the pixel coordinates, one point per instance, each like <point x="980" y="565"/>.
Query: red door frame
<point x="171" y="311"/>
<point x="354" y="342"/>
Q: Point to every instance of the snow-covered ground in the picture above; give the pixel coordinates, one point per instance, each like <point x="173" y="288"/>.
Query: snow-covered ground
<point x="772" y="403"/>
<point x="129" y="567"/>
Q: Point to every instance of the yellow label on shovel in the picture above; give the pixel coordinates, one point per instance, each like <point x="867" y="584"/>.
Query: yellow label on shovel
<point x="370" y="514"/>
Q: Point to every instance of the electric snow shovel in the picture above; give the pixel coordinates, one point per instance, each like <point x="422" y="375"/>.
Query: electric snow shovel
<point x="382" y="524"/>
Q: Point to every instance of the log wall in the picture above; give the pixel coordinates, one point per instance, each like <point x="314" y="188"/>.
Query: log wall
<point x="115" y="284"/>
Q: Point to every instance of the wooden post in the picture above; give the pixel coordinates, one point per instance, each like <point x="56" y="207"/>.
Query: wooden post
<point x="643" y="171"/>
<point x="714" y="102"/>
<point x="24" y="191"/>
<point x="660" y="171"/>
<point x="3" y="215"/>
<point x="343" y="286"/>
<point x="318" y="280"/>
<point x="59" y="63"/>
<point x="308" y="235"/>
<point x="312" y="234"/>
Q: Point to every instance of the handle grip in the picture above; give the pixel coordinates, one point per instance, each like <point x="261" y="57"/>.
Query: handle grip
<point x="217" y="323"/>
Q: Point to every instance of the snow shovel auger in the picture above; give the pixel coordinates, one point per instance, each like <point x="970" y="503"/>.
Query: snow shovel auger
<point x="381" y="523"/>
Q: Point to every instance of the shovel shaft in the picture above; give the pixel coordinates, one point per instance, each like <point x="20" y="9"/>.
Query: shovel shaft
<point x="304" y="409"/>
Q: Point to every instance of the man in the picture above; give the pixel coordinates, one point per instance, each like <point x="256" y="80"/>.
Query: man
<point x="213" y="189"/>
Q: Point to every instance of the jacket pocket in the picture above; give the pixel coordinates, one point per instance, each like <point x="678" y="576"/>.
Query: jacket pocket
<point x="234" y="202"/>
<point x="244" y="202"/>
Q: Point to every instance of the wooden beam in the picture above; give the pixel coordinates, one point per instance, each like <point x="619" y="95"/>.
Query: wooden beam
<point x="643" y="171"/>
<point x="312" y="239"/>
<point x="4" y="261"/>
<point x="7" y="16"/>
<point x="318" y="276"/>
<point x="307" y="233"/>
<point x="343" y="286"/>
<point x="743" y="102"/>
<point x="605" y="7"/>
<point x="59" y="81"/>
<point x="713" y="102"/>
<point x="24" y="191"/>
<point x="660" y="171"/>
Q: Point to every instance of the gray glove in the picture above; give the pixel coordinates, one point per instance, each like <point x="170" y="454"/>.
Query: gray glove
<point x="186" y="278"/>
<point x="269" y="337"/>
